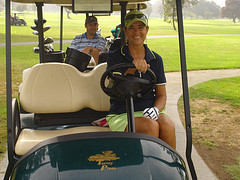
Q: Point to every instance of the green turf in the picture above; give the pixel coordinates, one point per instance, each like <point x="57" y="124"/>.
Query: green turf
<point x="234" y="170"/>
<point x="226" y="90"/>
<point x="201" y="52"/>
<point x="75" y="26"/>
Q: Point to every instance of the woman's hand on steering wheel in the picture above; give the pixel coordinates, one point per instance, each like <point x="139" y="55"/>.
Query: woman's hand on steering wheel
<point x="141" y="65"/>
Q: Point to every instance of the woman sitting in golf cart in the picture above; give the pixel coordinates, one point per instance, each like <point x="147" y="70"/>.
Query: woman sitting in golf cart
<point x="150" y="115"/>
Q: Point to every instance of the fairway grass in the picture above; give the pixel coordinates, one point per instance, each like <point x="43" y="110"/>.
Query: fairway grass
<point x="75" y="26"/>
<point x="201" y="52"/>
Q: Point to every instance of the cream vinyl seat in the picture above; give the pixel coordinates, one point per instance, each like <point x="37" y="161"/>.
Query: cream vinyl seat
<point x="59" y="88"/>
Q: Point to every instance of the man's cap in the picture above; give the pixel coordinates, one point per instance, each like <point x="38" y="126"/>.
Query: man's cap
<point x="134" y="16"/>
<point x="91" y="20"/>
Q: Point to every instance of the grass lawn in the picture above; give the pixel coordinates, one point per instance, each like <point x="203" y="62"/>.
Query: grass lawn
<point x="234" y="170"/>
<point x="201" y="52"/>
<point x="75" y="26"/>
<point x="225" y="90"/>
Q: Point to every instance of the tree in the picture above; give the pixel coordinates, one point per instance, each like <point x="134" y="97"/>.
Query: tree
<point x="170" y="10"/>
<point x="68" y="11"/>
<point x="2" y="5"/>
<point x="231" y="9"/>
<point x="21" y="7"/>
<point x="161" y="10"/>
<point x="204" y="9"/>
<point x="149" y="9"/>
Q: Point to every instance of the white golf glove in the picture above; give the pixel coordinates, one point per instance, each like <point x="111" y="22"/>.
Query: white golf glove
<point x="151" y="113"/>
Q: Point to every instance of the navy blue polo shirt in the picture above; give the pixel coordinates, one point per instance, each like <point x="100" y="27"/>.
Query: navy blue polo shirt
<point x="122" y="55"/>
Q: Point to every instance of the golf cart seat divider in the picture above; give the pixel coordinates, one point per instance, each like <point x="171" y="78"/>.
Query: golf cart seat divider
<point x="28" y="138"/>
<point x="59" y="94"/>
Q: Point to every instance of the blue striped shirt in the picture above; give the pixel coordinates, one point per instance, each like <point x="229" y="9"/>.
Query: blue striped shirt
<point x="81" y="41"/>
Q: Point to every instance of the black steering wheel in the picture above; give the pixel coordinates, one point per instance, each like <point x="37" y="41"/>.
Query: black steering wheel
<point x="122" y="86"/>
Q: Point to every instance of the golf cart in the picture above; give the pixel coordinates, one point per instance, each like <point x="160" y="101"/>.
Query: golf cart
<point x="16" y="21"/>
<point x="50" y="132"/>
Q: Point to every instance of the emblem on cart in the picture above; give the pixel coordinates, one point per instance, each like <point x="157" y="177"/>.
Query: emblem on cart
<point x="105" y="159"/>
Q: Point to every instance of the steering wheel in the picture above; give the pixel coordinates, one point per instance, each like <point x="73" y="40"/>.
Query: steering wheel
<point x="122" y="86"/>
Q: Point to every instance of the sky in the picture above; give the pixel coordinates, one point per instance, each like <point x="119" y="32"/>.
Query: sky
<point x="219" y="2"/>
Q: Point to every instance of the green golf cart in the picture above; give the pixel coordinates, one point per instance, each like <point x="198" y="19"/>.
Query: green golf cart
<point x="49" y="126"/>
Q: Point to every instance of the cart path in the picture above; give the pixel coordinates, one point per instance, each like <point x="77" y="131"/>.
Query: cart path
<point x="174" y="90"/>
<point x="148" y="37"/>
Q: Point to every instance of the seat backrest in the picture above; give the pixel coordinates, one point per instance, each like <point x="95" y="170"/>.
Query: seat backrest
<point x="61" y="88"/>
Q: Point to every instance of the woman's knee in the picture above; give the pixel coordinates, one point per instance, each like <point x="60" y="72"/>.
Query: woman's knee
<point x="166" y="123"/>
<point x="147" y="126"/>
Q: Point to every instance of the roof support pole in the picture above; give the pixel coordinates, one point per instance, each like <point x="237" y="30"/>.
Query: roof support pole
<point x="185" y="89"/>
<point x="123" y="5"/>
<point x="61" y="28"/>
<point x="138" y="6"/>
<point x="8" y="63"/>
<point x="9" y="90"/>
<point x="40" y="31"/>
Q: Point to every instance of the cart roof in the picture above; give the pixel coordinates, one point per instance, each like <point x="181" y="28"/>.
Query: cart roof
<point x="117" y="7"/>
<point x="70" y="1"/>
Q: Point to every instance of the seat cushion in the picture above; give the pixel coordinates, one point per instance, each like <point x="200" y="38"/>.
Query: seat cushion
<point x="28" y="138"/>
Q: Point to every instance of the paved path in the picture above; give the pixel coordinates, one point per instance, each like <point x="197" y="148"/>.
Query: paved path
<point x="174" y="90"/>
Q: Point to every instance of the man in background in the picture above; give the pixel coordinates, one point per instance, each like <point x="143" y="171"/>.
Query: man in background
<point x="90" y="42"/>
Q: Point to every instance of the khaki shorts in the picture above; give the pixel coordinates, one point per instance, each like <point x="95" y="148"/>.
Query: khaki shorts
<point x="118" y="122"/>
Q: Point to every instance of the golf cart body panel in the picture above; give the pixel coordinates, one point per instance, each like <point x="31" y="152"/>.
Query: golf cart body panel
<point x="15" y="20"/>
<point x="18" y="22"/>
<point x="101" y="156"/>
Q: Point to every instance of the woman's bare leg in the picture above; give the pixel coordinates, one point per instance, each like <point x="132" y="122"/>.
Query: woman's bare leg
<point x="146" y="126"/>
<point x="167" y="130"/>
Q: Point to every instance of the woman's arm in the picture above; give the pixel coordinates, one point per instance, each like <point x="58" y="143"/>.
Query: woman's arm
<point x="161" y="97"/>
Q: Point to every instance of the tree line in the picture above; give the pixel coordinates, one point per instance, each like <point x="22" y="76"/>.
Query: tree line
<point x="167" y="9"/>
<point x="201" y="9"/>
<point x="231" y="10"/>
